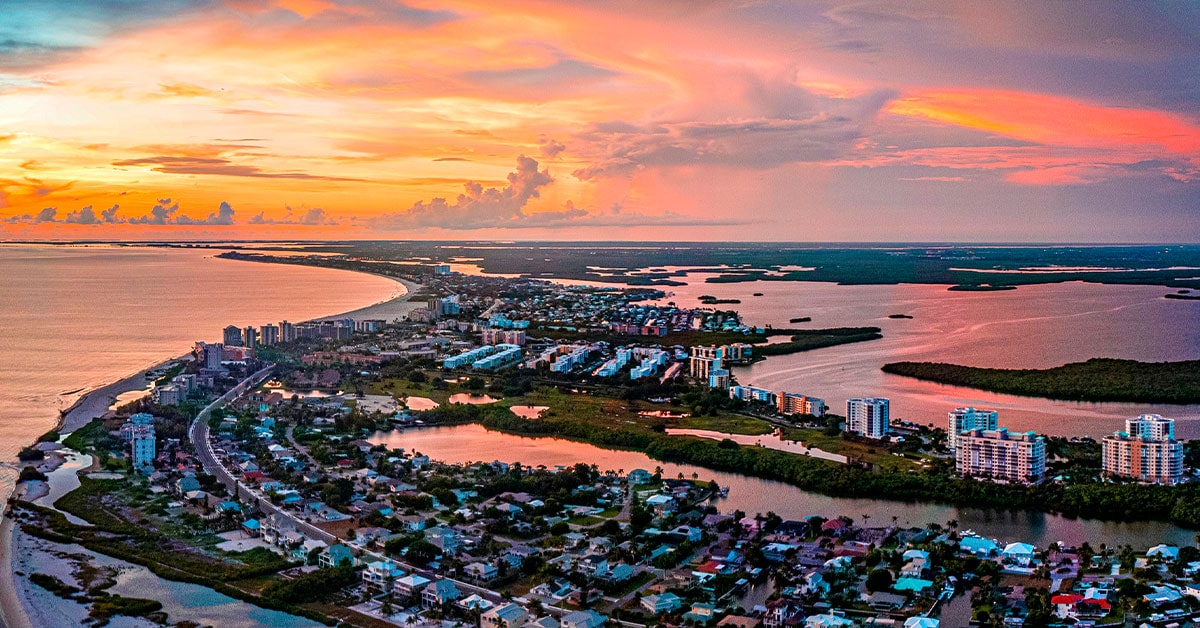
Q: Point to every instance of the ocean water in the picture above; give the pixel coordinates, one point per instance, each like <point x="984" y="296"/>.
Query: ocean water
<point x="73" y="318"/>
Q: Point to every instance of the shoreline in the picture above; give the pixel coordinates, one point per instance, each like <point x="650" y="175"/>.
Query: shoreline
<point x="95" y="402"/>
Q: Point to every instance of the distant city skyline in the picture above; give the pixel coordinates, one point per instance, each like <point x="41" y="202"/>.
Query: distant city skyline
<point x="528" y="120"/>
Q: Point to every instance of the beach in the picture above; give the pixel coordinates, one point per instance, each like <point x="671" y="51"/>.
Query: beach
<point x="24" y="604"/>
<point x="390" y="310"/>
<point x="96" y="402"/>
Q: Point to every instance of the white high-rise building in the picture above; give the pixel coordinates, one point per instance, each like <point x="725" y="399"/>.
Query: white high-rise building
<point x="868" y="416"/>
<point x="964" y="419"/>
<point x="1146" y="451"/>
<point x="1153" y="426"/>
<point x="1001" y="455"/>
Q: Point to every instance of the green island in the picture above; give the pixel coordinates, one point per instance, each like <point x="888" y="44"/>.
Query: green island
<point x="809" y="339"/>
<point x="1098" y="379"/>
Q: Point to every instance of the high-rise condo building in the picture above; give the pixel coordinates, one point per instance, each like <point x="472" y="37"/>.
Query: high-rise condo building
<point x="964" y="419"/>
<point x="868" y="416"/>
<point x="1002" y="455"/>
<point x="233" y="336"/>
<point x="287" y="332"/>
<point x="1146" y="451"/>
<point x="249" y="337"/>
<point x="269" y="335"/>
<point x="1154" y="426"/>
<point x="212" y="355"/>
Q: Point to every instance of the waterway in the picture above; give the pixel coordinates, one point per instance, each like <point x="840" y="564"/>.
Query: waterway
<point x="473" y="443"/>
<point x="1037" y="326"/>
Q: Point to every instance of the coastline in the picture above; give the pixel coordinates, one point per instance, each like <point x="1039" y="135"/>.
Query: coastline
<point x="96" y="403"/>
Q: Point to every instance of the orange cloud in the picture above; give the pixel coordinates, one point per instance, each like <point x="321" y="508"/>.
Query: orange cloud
<point x="1052" y="120"/>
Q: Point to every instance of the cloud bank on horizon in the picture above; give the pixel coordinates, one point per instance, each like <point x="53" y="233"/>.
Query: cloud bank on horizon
<point x="765" y="120"/>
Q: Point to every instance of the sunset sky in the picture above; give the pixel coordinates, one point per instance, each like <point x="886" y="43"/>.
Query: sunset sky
<point x="670" y="120"/>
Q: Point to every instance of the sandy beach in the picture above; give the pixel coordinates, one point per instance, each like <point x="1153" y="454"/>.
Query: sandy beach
<point x="95" y="403"/>
<point x="17" y="609"/>
<point x="390" y="310"/>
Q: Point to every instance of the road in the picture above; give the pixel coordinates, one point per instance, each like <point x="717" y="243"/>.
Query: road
<point x="199" y="433"/>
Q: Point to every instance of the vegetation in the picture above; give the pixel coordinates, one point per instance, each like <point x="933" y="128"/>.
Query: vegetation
<point x="124" y="528"/>
<point x="1098" y="379"/>
<point x="31" y="473"/>
<point x="807" y="340"/>
<point x="1085" y="497"/>
<point x="312" y="586"/>
<point x="103" y="605"/>
<point x="29" y="454"/>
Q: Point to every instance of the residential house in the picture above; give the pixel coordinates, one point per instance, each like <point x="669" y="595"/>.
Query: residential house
<point x="409" y="586"/>
<point x="583" y="619"/>
<point x="506" y="616"/>
<point x="439" y="593"/>
<point x="701" y="613"/>
<point x="337" y="555"/>
<point x="481" y="572"/>
<point x="380" y="574"/>
<point x="661" y="603"/>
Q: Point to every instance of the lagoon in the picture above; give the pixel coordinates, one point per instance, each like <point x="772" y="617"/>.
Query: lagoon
<point x="473" y="443"/>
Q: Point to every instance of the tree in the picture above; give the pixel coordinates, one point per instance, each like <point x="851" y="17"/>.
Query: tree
<point x="879" y="580"/>
<point x="422" y="552"/>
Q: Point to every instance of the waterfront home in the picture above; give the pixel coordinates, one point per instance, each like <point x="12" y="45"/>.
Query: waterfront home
<point x="1020" y="554"/>
<point x="979" y="546"/>
<point x="1164" y="552"/>
<point x="639" y="476"/>
<point x="921" y="622"/>
<point x="583" y="619"/>
<point x="661" y="504"/>
<point x="439" y="593"/>
<point x="506" y="616"/>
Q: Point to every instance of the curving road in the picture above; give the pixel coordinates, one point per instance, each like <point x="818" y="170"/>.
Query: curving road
<point x="199" y="434"/>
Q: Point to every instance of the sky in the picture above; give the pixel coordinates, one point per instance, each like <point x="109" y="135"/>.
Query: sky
<point x="639" y="120"/>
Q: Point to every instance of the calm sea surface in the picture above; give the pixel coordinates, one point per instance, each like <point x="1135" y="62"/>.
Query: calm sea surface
<point x="72" y="318"/>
